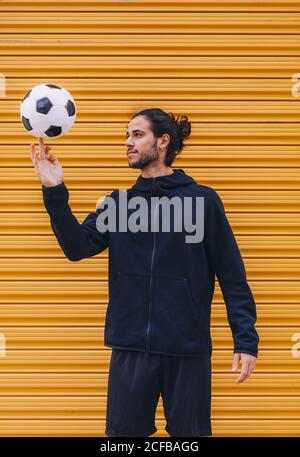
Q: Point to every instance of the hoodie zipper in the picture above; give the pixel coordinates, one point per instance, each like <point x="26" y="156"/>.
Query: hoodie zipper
<point x="151" y="269"/>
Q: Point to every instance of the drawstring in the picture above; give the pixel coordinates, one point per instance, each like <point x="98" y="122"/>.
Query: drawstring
<point x="152" y="188"/>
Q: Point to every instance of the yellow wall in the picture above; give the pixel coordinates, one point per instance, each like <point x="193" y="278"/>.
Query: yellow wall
<point x="228" y="66"/>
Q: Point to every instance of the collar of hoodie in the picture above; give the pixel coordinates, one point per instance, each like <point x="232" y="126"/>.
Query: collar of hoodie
<point x="162" y="185"/>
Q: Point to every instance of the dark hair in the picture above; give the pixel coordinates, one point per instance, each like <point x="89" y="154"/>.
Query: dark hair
<point x="162" y="122"/>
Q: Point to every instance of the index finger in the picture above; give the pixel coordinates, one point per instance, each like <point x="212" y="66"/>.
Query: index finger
<point x="244" y="371"/>
<point x="41" y="148"/>
<point x="33" y="157"/>
<point x="251" y="368"/>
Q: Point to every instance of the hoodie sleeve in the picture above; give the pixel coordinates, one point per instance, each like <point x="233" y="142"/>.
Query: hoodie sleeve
<point x="78" y="241"/>
<point x="226" y="261"/>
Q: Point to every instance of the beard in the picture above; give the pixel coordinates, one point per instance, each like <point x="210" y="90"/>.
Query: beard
<point x="145" y="159"/>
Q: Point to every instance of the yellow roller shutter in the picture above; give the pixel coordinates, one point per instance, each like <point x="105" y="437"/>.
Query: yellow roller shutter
<point x="228" y="66"/>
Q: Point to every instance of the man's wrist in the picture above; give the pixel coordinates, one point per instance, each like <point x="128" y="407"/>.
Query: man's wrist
<point x="50" y="186"/>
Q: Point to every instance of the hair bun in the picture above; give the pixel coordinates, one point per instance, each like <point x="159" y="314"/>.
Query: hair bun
<point x="182" y="124"/>
<point x="184" y="127"/>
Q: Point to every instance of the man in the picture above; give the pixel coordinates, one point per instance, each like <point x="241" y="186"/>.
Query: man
<point x="161" y="283"/>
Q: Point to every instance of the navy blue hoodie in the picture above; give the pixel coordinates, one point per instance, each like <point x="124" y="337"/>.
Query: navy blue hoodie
<point x="160" y="286"/>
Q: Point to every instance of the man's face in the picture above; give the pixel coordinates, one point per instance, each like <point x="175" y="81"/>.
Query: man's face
<point x="140" y="139"/>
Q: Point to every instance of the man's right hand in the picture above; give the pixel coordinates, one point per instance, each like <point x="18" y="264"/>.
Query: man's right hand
<point x="47" y="167"/>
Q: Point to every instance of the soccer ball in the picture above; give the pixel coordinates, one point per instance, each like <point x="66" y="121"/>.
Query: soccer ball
<point x="48" y="111"/>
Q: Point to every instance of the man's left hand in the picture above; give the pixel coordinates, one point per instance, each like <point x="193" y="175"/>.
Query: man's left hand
<point x="248" y="365"/>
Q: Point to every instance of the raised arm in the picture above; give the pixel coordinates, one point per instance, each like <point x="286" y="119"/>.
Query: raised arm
<point x="78" y="241"/>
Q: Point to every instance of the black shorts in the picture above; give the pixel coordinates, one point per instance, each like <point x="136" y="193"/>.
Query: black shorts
<point x="136" y="380"/>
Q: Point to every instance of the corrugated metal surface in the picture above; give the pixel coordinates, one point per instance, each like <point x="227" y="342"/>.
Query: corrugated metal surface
<point x="229" y="67"/>
<point x="149" y="5"/>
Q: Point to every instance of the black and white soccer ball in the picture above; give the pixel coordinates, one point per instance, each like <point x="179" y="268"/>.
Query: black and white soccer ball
<point x="48" y="111"/>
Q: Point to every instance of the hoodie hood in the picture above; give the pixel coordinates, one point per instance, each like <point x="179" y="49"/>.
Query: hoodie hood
<point x="162" y="185"/>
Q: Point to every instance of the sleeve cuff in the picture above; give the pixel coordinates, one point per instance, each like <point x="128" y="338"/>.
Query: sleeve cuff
<point x="53" y="195"/>
<point x="245" y="351"/>
<point x="53" y="188"/>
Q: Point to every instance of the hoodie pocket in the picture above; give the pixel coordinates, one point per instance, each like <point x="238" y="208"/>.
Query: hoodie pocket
<point x="193" y="305"/>
<point x="176" y="324"/>
<point x="127" y="313"/>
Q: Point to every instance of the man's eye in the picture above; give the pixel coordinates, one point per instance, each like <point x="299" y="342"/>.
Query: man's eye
<point x="136" y="134"/>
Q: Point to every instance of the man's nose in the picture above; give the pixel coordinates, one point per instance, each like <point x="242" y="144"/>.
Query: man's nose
<point x="128" y="143"/>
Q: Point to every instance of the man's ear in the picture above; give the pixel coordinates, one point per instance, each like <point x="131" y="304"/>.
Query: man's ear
<point x="166" y="140"/>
